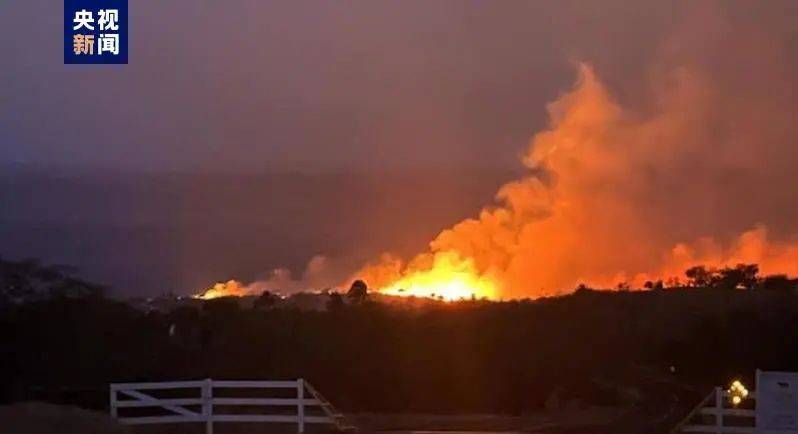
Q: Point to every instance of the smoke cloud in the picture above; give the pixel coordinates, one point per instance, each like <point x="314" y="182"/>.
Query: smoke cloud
<point x="694" y="173"/>
<point x="695" y="168"/>
<point x="317" y="275"/>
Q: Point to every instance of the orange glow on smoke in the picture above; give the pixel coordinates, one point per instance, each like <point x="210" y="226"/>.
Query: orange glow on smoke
<point x="612" y="195"/>
<point x="592" y="219"/>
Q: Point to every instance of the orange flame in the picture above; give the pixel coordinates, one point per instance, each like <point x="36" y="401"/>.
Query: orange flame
<point x="588" y="220"/>
<point x="450" y="278"/>
<point x="231" y="288"/>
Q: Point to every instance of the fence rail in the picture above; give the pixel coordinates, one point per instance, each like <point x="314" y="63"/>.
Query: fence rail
<point x="205" y="403"/>
<point x="725" y="419"/>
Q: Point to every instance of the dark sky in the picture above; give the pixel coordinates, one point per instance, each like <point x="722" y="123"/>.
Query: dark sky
<point x="244" y="84"/>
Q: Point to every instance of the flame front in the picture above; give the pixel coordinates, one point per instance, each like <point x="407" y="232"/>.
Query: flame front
<point x="450" y="277"/>
<point x="231" y="288"/>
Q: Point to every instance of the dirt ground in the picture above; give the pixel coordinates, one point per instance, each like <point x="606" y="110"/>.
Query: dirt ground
<point x="42" y="418"/>
<point x="559" y="421"/>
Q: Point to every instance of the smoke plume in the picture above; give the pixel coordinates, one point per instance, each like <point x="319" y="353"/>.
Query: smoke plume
<point x="697" y="168"/>
<point x="694" y="173"/>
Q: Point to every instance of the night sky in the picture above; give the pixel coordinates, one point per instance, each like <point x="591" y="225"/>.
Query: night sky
<point x="254" y="84"/>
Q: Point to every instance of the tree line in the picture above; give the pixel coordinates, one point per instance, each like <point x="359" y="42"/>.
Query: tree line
<point x="63" y="341"/>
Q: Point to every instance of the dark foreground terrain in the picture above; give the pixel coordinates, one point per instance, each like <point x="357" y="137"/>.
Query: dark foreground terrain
<point x="646" y="356"/>
<point x="43" y="418"/>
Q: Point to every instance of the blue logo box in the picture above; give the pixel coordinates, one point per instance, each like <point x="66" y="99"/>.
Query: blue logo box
<point x="95" y="31"/>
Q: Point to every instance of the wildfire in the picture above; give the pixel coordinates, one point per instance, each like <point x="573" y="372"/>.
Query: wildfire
<point x="450" y="278"/>
<point x="602" y="214"/>
<point x="613" y="195"/>
<point x="445" y="276"/>
<point x="223" y="289"/>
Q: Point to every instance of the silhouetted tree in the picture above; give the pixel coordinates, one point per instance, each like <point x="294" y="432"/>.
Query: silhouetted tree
<point x="673" y="282"/>
<point x="743" y="276"/>
<point x="16" y="278"/>
<point x="221" y="307"/>
<point x="698" y="276"/>
<point x="779" y="282"/>
<point x="336" y="302"/>
<point x="76" y="288"/>
<point x="28" y="279"/>
<point x="266" y="300"/>
<point x="358" y="292"/>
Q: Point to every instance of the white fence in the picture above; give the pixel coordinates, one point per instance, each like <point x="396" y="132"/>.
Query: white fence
<point x="716" y="415"/>
<point x="203" y="405"/>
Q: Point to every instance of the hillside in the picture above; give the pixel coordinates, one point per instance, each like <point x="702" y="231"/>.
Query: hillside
<point x="471" y="356"/>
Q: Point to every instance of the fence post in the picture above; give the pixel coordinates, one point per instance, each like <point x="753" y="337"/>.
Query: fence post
<point x="300" y="410"/>
<point x="112" y="400"/>
<point x="756" y="399"/>
<point x="719" y="409"/>
<point x="207" y="405"/>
